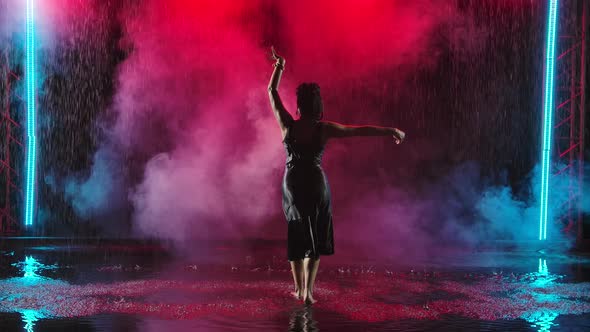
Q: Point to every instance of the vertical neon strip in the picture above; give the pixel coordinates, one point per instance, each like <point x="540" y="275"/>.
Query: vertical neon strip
<point x="548" y="116"/>
<point x="31" y="143"/>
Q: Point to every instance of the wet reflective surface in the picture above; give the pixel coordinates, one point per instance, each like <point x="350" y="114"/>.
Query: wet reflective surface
<point x="138" y="287"/>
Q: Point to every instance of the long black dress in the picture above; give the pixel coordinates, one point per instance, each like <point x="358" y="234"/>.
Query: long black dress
<point x="306" y="198"/>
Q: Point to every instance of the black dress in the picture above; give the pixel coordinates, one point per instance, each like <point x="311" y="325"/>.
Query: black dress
<point x="306" y="198"/>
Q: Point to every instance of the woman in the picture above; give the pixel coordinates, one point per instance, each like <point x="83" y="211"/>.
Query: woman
<point x="306" y="194"/>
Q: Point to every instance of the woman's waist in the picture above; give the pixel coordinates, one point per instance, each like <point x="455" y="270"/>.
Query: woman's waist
<point x="305" y="173"/>
<point x="304" y="161"/>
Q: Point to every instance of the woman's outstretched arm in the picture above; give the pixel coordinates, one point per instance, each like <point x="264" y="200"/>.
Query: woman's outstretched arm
<point x="337" y="130"/>
<point x="281" y="114"/>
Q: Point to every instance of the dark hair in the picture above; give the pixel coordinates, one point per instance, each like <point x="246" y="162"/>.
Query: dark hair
<point x="309" y="101"/>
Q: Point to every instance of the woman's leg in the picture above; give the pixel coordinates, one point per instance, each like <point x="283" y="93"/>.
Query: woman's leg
<point x="314" y="271"/>
<point x="297" y="270"/>
<point x="310" y="268"/>
<point x="306" y="279"/>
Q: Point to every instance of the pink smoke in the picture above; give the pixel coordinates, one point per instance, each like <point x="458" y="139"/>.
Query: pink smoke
<point x="342" y="40"/>
<point x="192" y="107"/>
<point x="198" y="73"/>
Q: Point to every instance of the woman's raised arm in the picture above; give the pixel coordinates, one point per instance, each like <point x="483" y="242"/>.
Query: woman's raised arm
<point x="281" y="114"/>
<point x="337" y="130"/>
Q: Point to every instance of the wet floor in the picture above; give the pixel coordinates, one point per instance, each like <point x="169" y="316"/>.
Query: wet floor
<point x="141" y="287"/>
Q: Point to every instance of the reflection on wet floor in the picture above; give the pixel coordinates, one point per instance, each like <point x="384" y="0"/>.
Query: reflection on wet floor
<point x="29" y="319"/>
<point x="134" y="292"/>
<point x="301" y="319"/>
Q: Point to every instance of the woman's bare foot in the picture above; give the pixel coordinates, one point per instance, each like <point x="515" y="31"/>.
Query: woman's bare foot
<point x="296" y="294"/>
<point x="308" y="299"/>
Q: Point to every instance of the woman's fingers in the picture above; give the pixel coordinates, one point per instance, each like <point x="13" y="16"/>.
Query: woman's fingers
<point x="275" y="56"/>
<point x="401" y="135"/>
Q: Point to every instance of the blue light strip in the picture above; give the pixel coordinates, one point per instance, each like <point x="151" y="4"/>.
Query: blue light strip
<point x="31" y="140"/>
<point x="548" y="116"/>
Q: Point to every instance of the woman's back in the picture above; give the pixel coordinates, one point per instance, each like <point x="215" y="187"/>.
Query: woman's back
<point x="304" y="143"/>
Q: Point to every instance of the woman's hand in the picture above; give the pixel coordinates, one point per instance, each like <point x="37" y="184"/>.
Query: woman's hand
<point x="398" y="136"/>
<point x="280" y="60"/>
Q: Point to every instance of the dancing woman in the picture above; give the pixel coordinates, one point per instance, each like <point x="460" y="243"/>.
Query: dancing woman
<point x="306" y="194"/>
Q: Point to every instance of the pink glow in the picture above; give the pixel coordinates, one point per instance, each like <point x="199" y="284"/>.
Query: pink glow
<point x="192" y="107"/>
<point x="342" y="40"/>
<point x="199" y="71"/>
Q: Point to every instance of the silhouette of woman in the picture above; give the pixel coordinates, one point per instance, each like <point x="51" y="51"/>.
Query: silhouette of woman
<point x="306" y="194"/>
